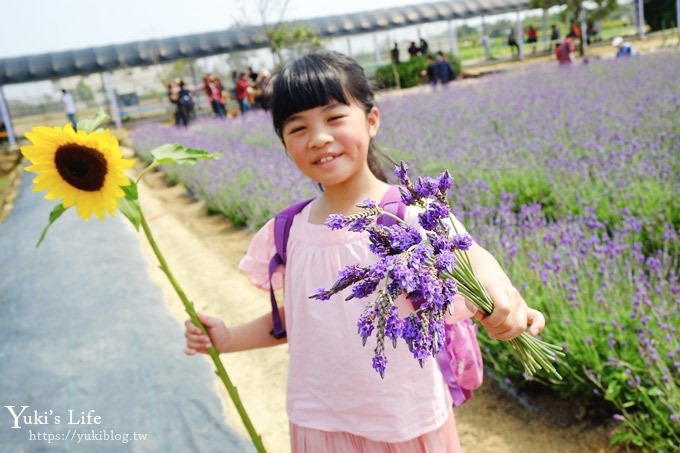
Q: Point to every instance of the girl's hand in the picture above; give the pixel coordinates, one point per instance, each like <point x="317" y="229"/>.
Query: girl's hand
<point x="510" y="315"/>
<point x="197" y="342"/>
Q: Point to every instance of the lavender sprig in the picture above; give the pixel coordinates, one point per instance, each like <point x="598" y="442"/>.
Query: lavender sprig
<point x="429" y="270"/>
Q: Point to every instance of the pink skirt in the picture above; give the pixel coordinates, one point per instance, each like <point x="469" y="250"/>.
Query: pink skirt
<point x="307" y="440"/>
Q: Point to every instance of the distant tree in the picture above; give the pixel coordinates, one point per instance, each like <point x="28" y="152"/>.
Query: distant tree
<point x="292" y="40"/>
<point x="284" y="39"/>
<point x="500" y="28"/>
<point x="179" y="70"/>
<point x="464" y="31"/>
<point x="660" y="14"/>
<point x="574" y="8"/>
<point x="83" y="90"/>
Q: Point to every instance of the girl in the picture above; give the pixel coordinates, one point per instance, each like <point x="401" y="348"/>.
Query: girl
<point x="324" y="112"/>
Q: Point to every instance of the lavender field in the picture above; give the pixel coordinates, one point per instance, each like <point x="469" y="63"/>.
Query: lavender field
<point x="570" y="176"/>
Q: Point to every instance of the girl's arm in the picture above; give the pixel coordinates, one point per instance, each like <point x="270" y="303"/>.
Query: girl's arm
<point x="252" y="335"/>
<point x="511" y="313"/>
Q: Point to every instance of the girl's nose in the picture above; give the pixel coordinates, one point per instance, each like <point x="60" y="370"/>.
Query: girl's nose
<point x="320" y="139"/>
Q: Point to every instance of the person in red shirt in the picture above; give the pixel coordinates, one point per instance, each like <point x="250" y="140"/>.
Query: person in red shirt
<point x="563" y="51"/>
<point x="532" y="37"/>
<point x="242" y="86"/>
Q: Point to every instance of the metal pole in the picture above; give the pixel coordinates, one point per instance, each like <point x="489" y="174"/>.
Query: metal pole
<point x="584" y="32"/>
<point x="641" y="18"/>
<point x="113" y="101"/>
<point x="544" y="27"/>
<point x="520" y="36"/>
<point x="677" y="13"/>
<point x="349" y="46"/>
<point x="453" y="38"/>
<point x="7" y="119"/>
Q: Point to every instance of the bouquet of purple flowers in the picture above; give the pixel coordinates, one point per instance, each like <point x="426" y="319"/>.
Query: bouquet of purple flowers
<point x="430" y="269"/>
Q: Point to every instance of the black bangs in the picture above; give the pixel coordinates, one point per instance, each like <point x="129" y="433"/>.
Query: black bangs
<point x="306" y="83"/>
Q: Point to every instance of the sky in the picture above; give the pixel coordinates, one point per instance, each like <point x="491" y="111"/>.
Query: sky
<point x="38" y="26"/>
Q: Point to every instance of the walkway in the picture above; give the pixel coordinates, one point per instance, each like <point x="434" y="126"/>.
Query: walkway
<point x="85" y="334"/>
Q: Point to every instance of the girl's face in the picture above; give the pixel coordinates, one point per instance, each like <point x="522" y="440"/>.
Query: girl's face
<point x="330" y="143"/>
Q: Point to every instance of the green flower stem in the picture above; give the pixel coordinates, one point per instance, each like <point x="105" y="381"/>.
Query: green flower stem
<point x="214" y="355"/>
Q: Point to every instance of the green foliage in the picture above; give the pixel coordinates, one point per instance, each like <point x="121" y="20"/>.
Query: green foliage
<point x="92" y="124"/>
<point x="528" y="187"/>
<point x="660" y="14"/>
<point x="83" y="91"/>
<point x="179" y="70"/>
<point x="179" y="154"/>
<point x="129" y="205"/>
<point x="617" y="354"/>
<point x="56" y="212"/>
<point x="600" y="10"/>
<point x="293" y="39"/>
<point x="409" y="72"/>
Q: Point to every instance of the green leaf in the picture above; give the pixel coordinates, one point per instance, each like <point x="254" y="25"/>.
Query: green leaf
<point x="131" y="192"/>
<point x="618" y="437"/>
<point x="654" y="391"/>
<point x="613" y="390"/>
<point x="92" y="124"/>
<point x="131" y="210"/>
<point x="178" y="154"/>
<point x="57" y="211"/>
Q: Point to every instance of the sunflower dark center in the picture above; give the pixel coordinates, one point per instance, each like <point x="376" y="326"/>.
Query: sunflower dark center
<point x="82" y="167"/>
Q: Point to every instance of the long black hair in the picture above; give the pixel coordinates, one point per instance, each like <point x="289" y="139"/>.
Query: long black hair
<point x="315" y="80"/>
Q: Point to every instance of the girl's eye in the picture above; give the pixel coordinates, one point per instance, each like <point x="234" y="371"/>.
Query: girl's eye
<point x="336" y="117"/>
<point x="295" y="129"/>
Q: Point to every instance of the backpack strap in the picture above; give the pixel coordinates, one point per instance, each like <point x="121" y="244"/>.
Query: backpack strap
<point x="283" y="221"/>
<point x="393" y="204"/>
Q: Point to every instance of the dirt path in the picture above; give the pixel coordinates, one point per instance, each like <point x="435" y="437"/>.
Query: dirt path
<point x="203" y="252"/>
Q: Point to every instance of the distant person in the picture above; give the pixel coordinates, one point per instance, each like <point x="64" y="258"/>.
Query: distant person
<point x="484" y="40"/>
<point x="413" y="50"/>
<point x="260" y="86"/>
<point x="424" y="47"/>
<point x="591" y="32"/>
<point x="512" y="43"/>
<point x="532" y="37"/>
<point x="574" y="30"/>
<point x="429" y="72"/>
<point x="252" y="75"/>
<point x="394" y="54"/>
<point x="184" y="103"/>
<point x="241" y="91"/>
<point x="563" y="51"/>
<point x="443" y="69"/>
<point x="623" y="48"/>
<point x="554" y="33"/>
<point x="213" y="89"/>
<point x="70" y="108"/>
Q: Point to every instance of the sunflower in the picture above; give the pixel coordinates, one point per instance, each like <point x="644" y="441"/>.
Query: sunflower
<point x="85" y="169"/>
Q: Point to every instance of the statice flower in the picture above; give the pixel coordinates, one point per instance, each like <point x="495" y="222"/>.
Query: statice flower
<point x="462" y="241"/>
<point x="368" y="204"/>
<point x="336" y="221"/>
<point x="428" y="267"/>
<point x="380" y="364"/>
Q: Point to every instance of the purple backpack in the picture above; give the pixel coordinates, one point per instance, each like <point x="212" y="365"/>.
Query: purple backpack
<point x="460" y="361"/>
